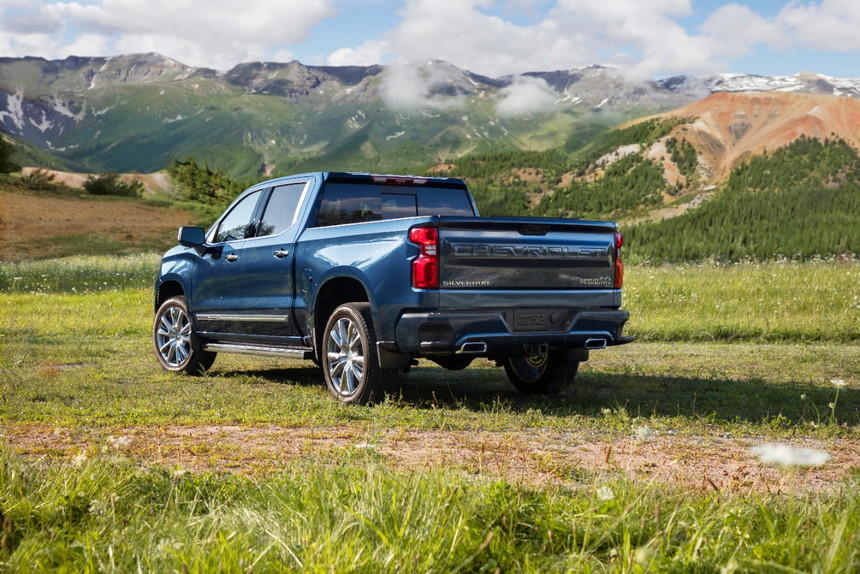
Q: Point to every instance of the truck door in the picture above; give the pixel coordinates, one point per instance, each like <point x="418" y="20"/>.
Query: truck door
<point x="266" y="267"/>
<point x="216" y="277"/>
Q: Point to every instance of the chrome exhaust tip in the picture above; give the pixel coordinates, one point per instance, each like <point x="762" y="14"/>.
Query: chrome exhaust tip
<point x="476" y="348"/>
<point x="595" y="344"/>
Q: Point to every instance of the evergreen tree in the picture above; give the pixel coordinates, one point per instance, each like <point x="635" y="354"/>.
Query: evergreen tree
<point x="7" y="153"/>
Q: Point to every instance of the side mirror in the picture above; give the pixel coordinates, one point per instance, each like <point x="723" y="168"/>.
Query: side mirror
<point x="191" y="236"/>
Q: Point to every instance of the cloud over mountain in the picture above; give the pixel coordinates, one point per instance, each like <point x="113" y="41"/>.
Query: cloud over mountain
<point x="647" y="39"/>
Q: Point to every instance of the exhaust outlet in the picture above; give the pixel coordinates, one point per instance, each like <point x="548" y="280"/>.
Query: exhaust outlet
<point x="476" y="348"/>
<point x="595" y="344"/>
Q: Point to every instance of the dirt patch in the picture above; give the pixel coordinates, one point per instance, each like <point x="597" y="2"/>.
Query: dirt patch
<point x="538" y="458"/>
<point x="38" y="226"/>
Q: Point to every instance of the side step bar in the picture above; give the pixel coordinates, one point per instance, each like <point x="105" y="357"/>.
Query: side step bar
<point x="283" y="352"/>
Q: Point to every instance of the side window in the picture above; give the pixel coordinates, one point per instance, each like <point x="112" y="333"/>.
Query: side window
<point x="237" y="224"/>
<point x="349" y="203"/>
<point x="280" y="212"/>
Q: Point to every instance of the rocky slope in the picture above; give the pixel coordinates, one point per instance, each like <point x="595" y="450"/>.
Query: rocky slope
<point x="135" y="112"/>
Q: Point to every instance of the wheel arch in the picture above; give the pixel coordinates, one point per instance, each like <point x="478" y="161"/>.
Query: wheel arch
<point x="166" y="290"/>
<point x="331" y="295"/>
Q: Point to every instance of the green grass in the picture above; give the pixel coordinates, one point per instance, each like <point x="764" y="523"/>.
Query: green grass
<point x="764" y="302"/>
<point x="111" y="514"/>
<point x="744" y="351"/>
<point x="80" y="274"/>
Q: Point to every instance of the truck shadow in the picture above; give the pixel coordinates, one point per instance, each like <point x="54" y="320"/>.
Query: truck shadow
<point x="636" y="395"/>
<point x="594" y="394"/>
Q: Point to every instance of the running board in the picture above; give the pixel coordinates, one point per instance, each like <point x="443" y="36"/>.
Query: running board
<point x="284" y="352"/>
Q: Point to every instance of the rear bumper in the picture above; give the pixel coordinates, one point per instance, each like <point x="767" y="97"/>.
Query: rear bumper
<point x="488" y="332"/>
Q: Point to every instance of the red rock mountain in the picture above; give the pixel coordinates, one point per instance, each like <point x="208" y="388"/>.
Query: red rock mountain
<point x="727" y="128"/>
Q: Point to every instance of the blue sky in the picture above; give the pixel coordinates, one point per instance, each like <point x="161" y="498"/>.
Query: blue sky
<point x="644" y="38"/>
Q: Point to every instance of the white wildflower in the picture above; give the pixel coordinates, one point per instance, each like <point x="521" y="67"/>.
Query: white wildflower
<point x="79" y="459"/>
<point x="605" y="493"/>
<point x="838" y="382"/>
<point x="787" y="455"/>
<point x="119" y="441"/>
<point x="644" y="432"/>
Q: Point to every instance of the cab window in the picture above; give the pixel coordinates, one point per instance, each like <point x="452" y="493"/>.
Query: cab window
<point x="238" y="224"/>
<point x="282" y="209"/>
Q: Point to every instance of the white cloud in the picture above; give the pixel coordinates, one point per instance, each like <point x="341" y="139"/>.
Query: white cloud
<point x="410" y="87"/>
<point x="734" y="29"/>
<point x="828" y="25"/>
<point x="370" y="53"/>
<point x="526" y="96"/>
<point x="571" y="33"/>
<point x="197" y="32"/>
<point x="644" y="38"/>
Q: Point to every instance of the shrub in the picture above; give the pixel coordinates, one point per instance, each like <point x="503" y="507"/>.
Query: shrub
<point x="38" y="180"/>
<point x="111" y="184"/>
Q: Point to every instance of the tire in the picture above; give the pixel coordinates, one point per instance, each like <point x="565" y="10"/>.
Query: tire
<point x="541" y="374"/>
<point x="174" y="341"/>
<point x="349" y="360"/>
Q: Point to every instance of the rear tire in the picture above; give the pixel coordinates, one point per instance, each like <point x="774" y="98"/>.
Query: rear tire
<point x="174" y="340"/>
<point x="350" y="362"/>
<point x="542" y="374"/>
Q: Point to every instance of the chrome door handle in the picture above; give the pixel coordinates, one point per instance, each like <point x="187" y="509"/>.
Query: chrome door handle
<point x="281" y="253"/>
<point x="232" y="257"/>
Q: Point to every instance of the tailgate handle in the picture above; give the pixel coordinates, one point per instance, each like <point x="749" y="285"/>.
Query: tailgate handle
<point x="534" y="229"/>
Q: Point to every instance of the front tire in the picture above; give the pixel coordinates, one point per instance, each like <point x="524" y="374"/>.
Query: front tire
<point x="350" y="363"/>
<point x="173" y="338"/>
<point x="541" y="374"/>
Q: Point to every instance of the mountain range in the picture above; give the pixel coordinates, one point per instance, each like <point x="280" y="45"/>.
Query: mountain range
<point x="135" y="113"/>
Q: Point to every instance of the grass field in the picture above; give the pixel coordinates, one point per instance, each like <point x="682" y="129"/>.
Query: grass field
<point x="655" y="461"/>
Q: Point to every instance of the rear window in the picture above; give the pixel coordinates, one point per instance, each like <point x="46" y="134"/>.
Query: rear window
<point x="344" y="203"/>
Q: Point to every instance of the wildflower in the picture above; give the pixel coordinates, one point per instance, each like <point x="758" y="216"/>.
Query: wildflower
<point x="838" y="382"/>
<point x="118" y="442"/>
<point x="644" y="432"/>
<point x="787" y="455"/>
<point x="605" y="493"/>
<point x="79" y="459"/>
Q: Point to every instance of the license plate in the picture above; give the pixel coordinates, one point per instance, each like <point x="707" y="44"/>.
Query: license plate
<point x="531" y="321"/>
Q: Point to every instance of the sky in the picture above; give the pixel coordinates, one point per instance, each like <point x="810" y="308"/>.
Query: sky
<point x="645" y="39"/>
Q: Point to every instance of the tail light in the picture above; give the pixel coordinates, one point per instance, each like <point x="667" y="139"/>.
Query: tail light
<point x="619" y="265"/>
<point x="425" y="268"/>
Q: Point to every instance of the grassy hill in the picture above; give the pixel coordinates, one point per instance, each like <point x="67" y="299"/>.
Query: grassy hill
<point x="800" y="201"/>
<point x="683" y="188"/>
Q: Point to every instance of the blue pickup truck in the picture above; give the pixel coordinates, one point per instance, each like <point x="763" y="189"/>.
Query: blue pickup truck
<point x="363" y="274"/>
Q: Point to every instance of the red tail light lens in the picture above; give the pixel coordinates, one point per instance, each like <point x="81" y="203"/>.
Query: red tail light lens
<point x="425" y="268"/>
<point x="619" y="265"/>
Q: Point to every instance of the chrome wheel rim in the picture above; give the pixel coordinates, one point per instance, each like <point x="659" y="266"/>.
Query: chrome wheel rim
<point x="173" y="337"/>
<point x="345" y="354"/>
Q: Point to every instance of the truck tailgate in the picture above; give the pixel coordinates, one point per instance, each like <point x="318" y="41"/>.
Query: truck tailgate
<point x="527" y="255"/>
